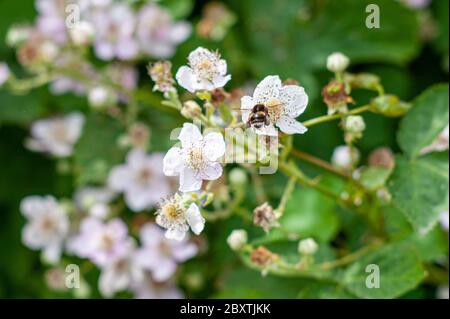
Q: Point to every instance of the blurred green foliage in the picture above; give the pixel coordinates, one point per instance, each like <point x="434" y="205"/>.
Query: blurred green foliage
<point x="291" y="38"/>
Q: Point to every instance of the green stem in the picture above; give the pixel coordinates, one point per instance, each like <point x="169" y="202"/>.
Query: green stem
<point x="286" y="194"/>
<point x="328" y="118"/>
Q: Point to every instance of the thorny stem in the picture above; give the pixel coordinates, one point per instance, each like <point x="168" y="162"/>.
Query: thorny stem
<point x="327" y="118"/>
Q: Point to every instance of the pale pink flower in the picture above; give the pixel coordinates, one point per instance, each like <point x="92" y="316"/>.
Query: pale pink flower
<point x="47" y="226"/>
<point x="101" y="242"/>
<point x="51" y="19"/>
<point x="157" y="33"/>
<point x="56" y="135"/>
<point x="141" y="179"/>
<point x="115" y="29"/>
<point x="160" y="255"/>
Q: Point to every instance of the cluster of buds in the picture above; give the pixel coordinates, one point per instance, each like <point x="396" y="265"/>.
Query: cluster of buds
<point x="37" y="51"/>
<point x="265" y="217"/>
<point x="354" y="127"/>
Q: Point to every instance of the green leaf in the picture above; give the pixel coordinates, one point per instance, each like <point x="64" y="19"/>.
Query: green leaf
<point x="425" y="121"/>
<point x="96" y="151"/>
<point x="419" y="188"/>
<point x="297" y="36"/>
<point x="179" y="8"/>
<point x="373" y="178"/>
<point x="399" y="267"/>
<point x="19" y="109"/>
<point x="309" y="213"/>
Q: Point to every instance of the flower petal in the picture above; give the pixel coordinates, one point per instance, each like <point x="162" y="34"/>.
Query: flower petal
<point x="195" y="219"/>
<point x="220" y="80"/>
<point x="186" y="78"/>
<point x="173" y="162"/>
<point x="176" y="233"/>
<point x="294" y="99"/>
<point x="212" y="172"/>
<point x="269" y="130"/>
<point x="214" y="147"/>
<point x="290" y="126"/>
<point x="119" y="178"/>
<point x="267" y="89"/>
<point x="189" y="135"/>
<point x="189" y="181"/>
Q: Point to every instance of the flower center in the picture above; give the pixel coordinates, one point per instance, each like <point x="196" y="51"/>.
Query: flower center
<point x="205" y="69"/>
<point x="144" y="176"/>
<point x="59" y="132"/>
<point x="107" y="242"/>
<point x="171" y="212"/>
<point x="48" y="224"/>
<point x="195" y="158"/>
<point x="275" y="108"/>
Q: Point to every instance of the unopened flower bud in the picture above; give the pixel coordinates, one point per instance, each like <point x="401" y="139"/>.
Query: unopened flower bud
<point x="363" y="81"/>
<point x="265" y="217"/>
<point x="307" y="246"/>
<point x="337" y="62"/>
<point x="263" y="257"/>
<point x="354" y="124"/>
<point x="345" y="157"/>
<point x="55" y="278"/>
<point x="48" y="52"/>
<point x="238" y="176"/>
<point x="389" y="105"/>
<point x="82" y="33"/>
<point x="191" y="110"/>
<point x="17" y="35"/>
<point x="100" y="97"/>
<point x="4" y="73"/>
<point x="237" y="239"/>
<point x="382" y="157"/>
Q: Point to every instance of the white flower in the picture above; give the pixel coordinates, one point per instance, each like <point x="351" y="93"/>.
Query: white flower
<point x="237" y="239"/>
<point x="160" y="255"/>
<point x="141" y="179"/>
<point x="121" y="272"/>
<point x="444" y="220"/>
<point x="101" y="242"/>
<point x="94" y="201"/>
<point x="440" y="144"/>
<point x="174" y="216"/>
<point x="284" y="102"/>
<point x="343" y="157"/>
<point x="4" y="73"/>
<point x="57" y="135"/>
<point x="337" y="62"/>
<point x="149" y="289"/>
<point x="307" y="246"/>
<point x="197" y="159"/>
<point x="47" y="226"/>
<point x="158" y="35"/>
<point x="206" y="71"/>
<point x="82" y="33"/>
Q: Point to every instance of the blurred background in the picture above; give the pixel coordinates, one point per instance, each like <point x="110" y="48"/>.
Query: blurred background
<point x="291" y="38"/>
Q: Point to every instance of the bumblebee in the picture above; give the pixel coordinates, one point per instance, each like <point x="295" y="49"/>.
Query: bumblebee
<point x="259" y="116"/>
